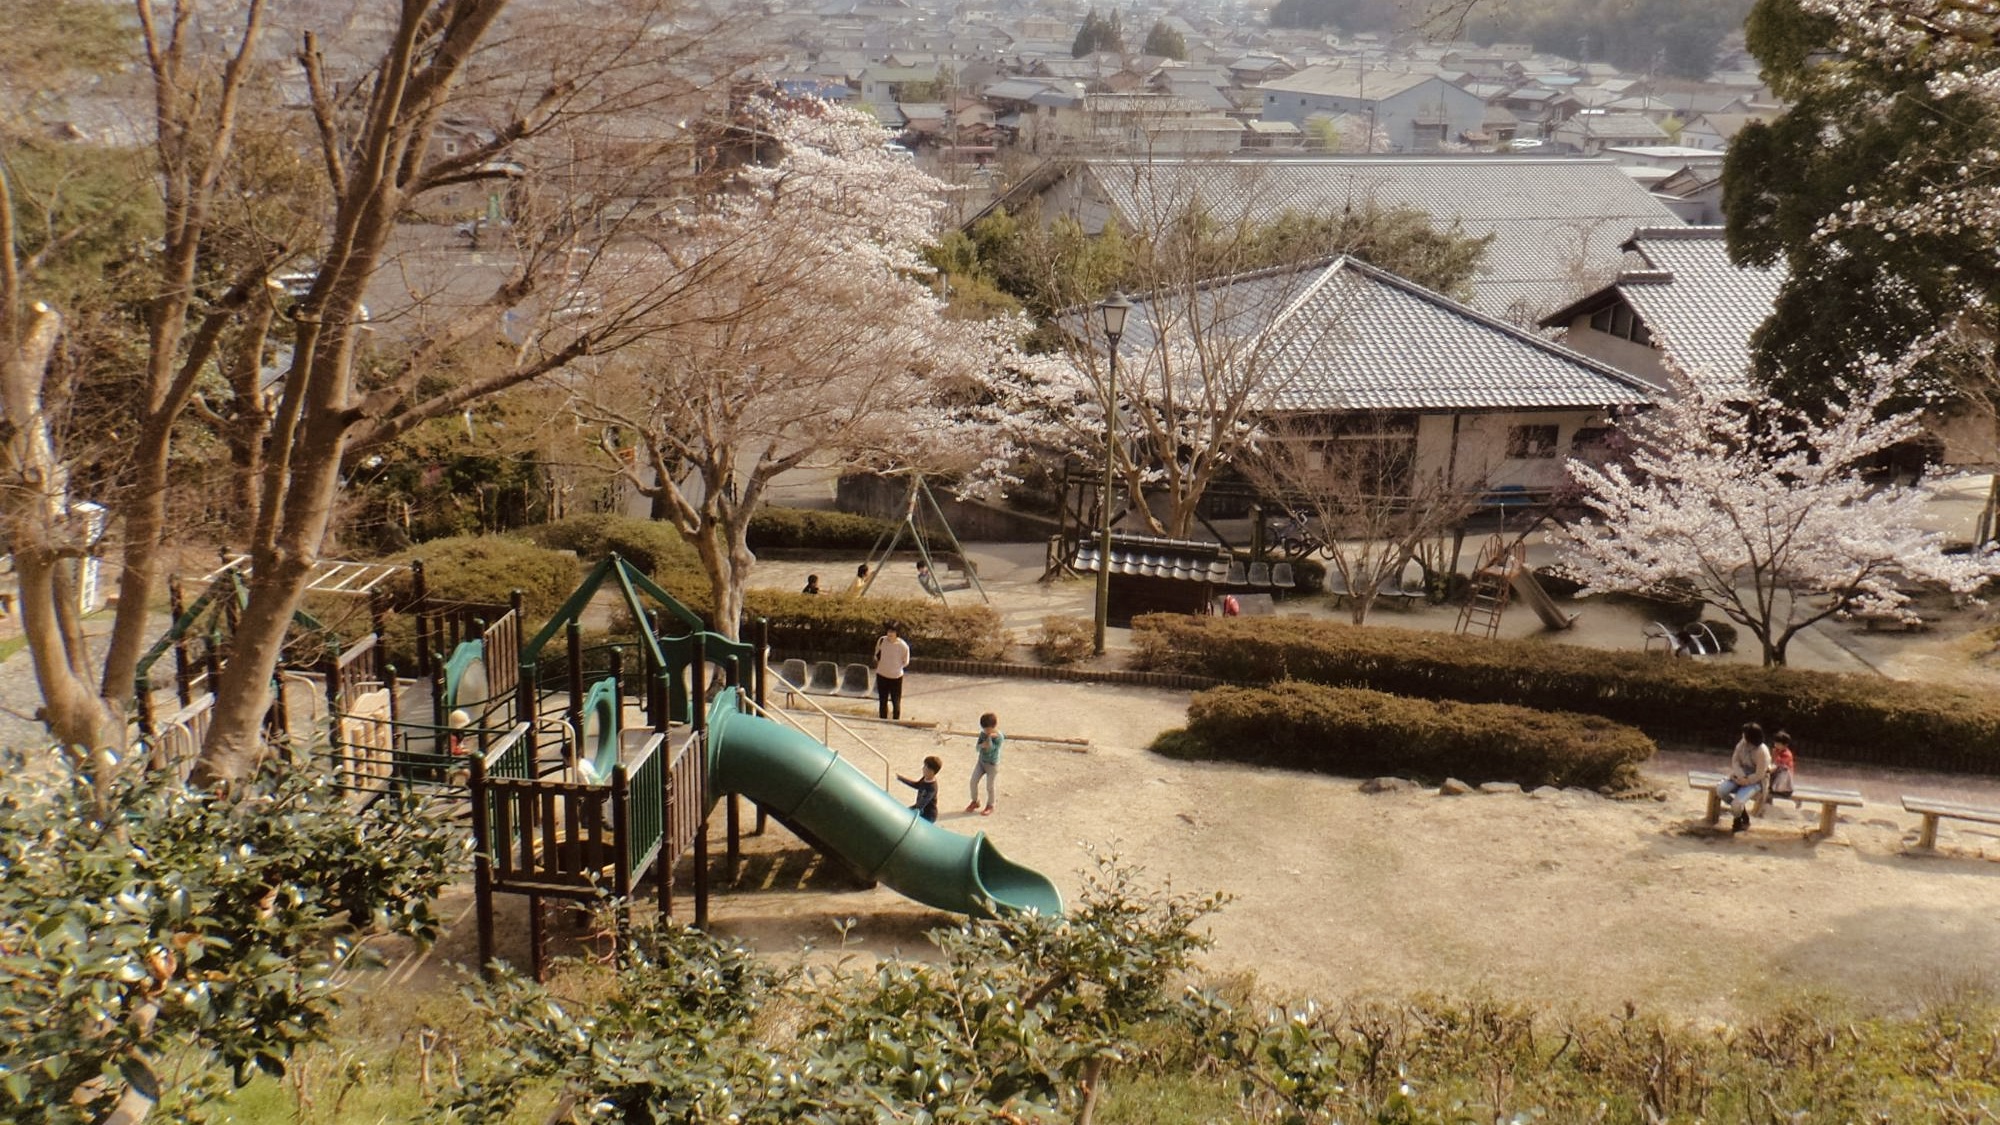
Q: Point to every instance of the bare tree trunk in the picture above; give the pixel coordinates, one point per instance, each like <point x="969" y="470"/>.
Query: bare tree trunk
<point x="33" y="508"/>
<point x="432" y="43"/>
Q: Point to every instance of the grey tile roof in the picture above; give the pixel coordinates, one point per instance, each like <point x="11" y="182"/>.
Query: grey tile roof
<point x="1347" y="82"/>
<point x="1556" y="222"/>
<point x="1184" y="559"/>
<point x="1700" y="307"/>
<point x="1351" y="337"/>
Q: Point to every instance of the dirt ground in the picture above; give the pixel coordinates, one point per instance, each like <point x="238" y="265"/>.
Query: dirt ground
<point x="1569" y="898"/>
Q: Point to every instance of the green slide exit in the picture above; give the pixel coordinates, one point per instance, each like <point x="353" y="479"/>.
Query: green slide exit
<point x="801" y="780"/>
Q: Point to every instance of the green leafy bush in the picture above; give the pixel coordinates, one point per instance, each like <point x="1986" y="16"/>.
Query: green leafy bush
<point x="812" y="529"/>
<point x="147" y="923"/>
<point x="1845" y="716"/>
<point x="1064" y="640"/>
<point x="483" y="569"/>
<point x="820" y="624"/>
<point x="1358" y="733"/>
<point x="653" y="546"/>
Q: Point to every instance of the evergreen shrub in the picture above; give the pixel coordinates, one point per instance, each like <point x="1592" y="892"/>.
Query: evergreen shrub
<point x="1354" y="732"/>
<point x="823" y="625"/>
<point x="1856" y="718"/>
<point x="653" y="546"/>
<point x="812" y="529"/>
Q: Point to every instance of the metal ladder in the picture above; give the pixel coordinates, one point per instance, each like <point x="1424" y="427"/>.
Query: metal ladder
<point x="1492" y="583"/>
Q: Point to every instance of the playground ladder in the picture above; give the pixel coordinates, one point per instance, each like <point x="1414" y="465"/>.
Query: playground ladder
<point x="1492" y="582"/>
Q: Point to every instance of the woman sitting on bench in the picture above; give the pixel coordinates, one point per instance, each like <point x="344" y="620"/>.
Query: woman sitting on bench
<point x="1749" y="768"/>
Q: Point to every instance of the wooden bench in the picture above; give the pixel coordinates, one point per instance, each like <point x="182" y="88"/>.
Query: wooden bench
<point x="1933" y="809"/>
<point x="1830" y="801"/>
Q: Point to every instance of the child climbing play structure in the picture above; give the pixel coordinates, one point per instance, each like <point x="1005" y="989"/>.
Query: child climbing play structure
<point x="587" y="768"/>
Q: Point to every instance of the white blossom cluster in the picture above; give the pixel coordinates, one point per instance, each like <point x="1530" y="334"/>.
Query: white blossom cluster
<point x="1954" y="43"/>
<point x="1766" y="513"/>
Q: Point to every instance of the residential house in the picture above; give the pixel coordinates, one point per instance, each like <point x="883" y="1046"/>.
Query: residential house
<point x="1715" y="131"/>
<point x="882" y="86"/>
<point x="1590" y="133"/>
<point x="1555" y="223"/>
<point x="1417" y="112"/>
<point x="1684" y="305"/>
<point x="1693" y="194"/>
<point x="1359" y="354"/>
<point x="1537" y="109"/>
<point x="1129" y="123"/>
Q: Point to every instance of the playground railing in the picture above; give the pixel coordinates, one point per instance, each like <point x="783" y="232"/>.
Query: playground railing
<point x="503" y="655"/>
<point x="828" y="720"/>
<point x="512" y="756"/>
<point x="687" y="796"/>
<point x="177" y="738"/>
<point x="645" y="811"/>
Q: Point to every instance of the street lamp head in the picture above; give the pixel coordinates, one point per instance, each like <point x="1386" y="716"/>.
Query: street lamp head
<point x="1115" y="308"/>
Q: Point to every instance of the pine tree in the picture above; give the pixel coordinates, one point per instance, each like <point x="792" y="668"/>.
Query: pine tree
<point x="1165" y="42"/>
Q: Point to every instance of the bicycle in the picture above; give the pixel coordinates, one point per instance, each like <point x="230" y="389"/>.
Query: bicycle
<point x="1294" y="537"/>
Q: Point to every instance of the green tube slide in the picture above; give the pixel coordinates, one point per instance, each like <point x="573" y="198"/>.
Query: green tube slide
<point x="803" y="782"/>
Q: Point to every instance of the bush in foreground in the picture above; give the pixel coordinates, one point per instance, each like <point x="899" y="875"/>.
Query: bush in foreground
<point x="1353" y="732"/>
<point x="1845" y="716"/>
<point x="155" y="935"/>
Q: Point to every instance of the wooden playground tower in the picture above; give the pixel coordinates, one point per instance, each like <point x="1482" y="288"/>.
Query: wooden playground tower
<point x="572" y="796"/>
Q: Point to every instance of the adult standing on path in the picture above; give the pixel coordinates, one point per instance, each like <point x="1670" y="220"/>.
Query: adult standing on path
<point x="892" y="656"/>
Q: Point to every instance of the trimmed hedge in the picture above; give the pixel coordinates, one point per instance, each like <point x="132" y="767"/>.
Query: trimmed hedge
<point x="831" y="625"/>
<point x="651" y="545"/>
<point x="811" y="529"/>
<point x="1354" y="732"/>
<point x="1857" y="718"/>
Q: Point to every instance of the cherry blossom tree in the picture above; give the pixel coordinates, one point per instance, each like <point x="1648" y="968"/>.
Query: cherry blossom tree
<point x="812" y="337"/>
<point x="1765" y="514"/>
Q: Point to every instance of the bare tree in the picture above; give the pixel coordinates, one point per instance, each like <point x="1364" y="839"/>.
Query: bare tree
<point x="575" y="130"/>
<point x="1358" y="475"/>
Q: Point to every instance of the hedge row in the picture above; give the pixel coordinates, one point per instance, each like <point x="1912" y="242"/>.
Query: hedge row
<point x="823" y="625"/>
<point x="1353" y="732"/>
<point x="1857" y="718"/>
<point x="652" y="546"/>
<point x="808" y="528"/>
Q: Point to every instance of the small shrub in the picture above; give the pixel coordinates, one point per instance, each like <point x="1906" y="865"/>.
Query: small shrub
<point x="811" y="529"/>
<point x="653" y="546"/>
<point x="1845" y="716"/>
<point x="1064" y="640"/>
<point x="1358" y="733"/>
<point x="1725" y="634"/>
<point x="820" y="624"/>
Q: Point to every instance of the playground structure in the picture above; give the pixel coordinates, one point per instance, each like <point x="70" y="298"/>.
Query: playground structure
<point x="586" y="768"/>
<point x="1501" y="571"/>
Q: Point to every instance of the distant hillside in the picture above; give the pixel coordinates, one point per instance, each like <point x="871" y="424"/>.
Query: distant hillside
<point x="1680" y="36"/>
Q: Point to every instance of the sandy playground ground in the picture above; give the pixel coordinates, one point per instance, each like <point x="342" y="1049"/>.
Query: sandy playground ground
<point x="1570" y="899"/>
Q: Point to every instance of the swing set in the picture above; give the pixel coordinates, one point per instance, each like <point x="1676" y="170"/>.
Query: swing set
<point x="879" y="555"/>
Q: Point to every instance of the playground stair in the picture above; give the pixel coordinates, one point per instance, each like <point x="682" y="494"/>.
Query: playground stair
<point x="1492" y="582"/>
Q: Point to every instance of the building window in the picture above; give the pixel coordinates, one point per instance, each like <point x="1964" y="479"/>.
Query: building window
<point x="1590" y="443"/>
<point x="1530" y="442"/>
<point x="1618" y="320"/>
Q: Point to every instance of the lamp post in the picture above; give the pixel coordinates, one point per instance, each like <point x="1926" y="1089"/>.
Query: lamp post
<point x="1114" y="309"/>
